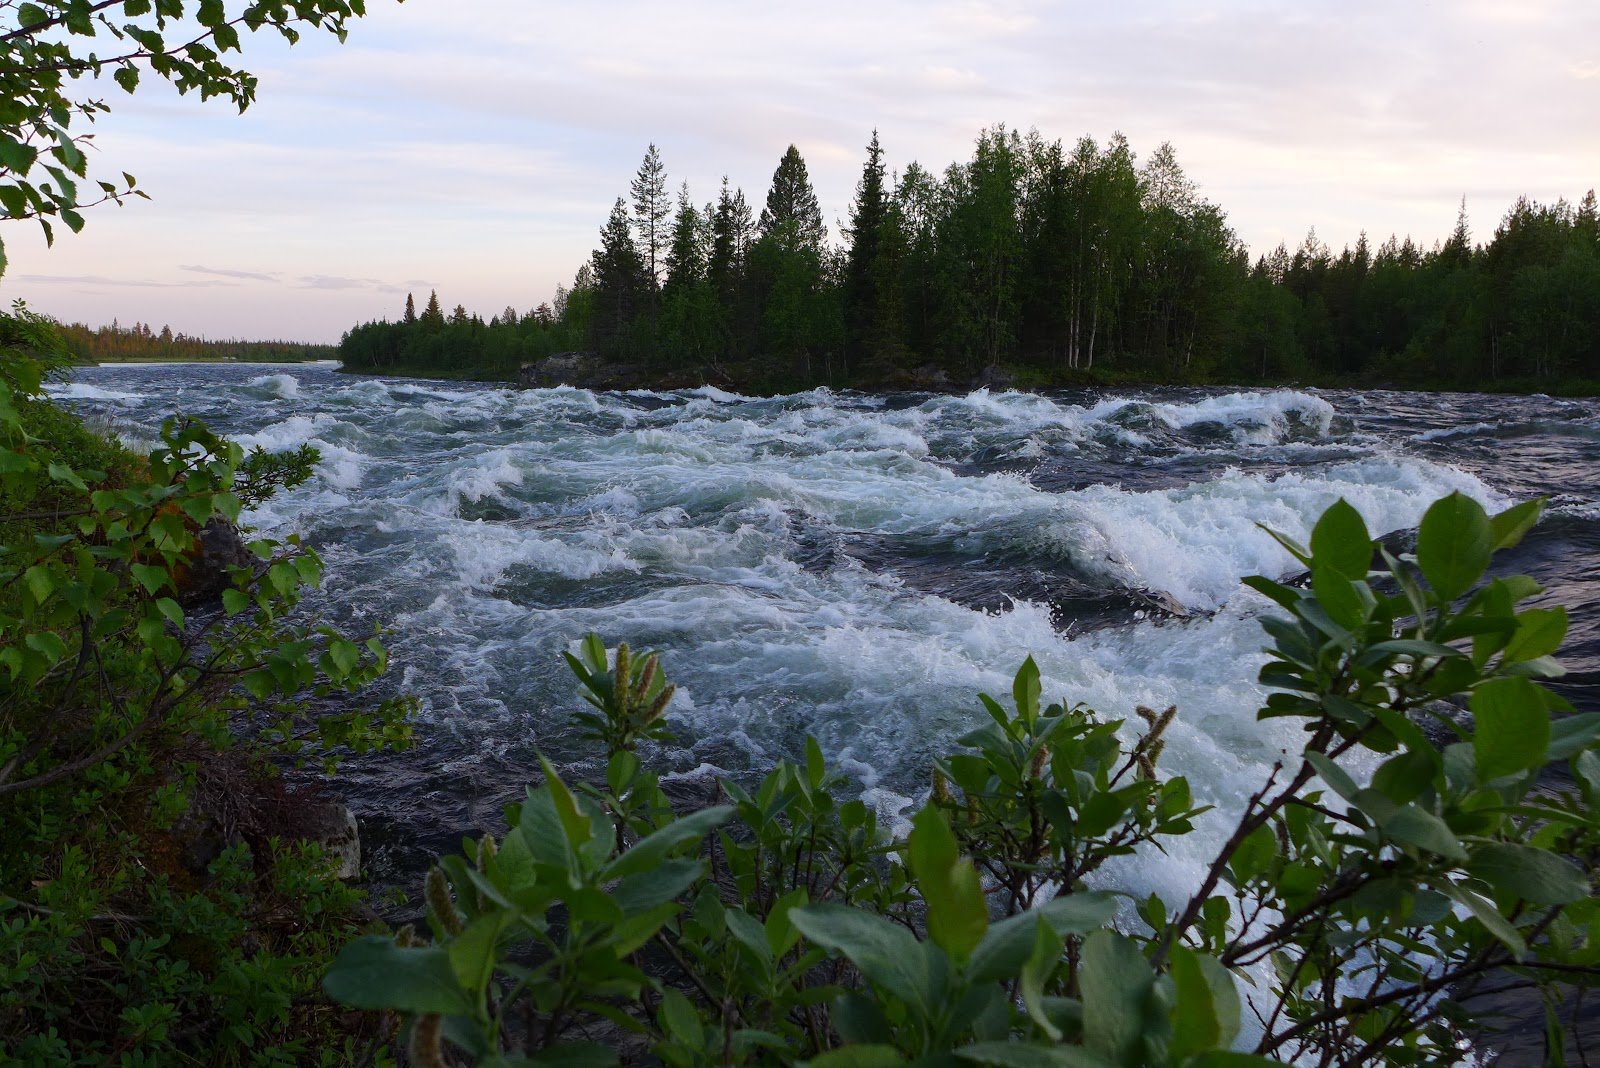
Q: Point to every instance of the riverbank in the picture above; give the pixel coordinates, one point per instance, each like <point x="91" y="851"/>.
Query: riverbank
<point x="585" y="370"/>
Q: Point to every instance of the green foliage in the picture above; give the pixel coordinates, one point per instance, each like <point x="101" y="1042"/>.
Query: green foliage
<point x="1339" y="922"/>
<point x="137" y="725"/>
<point x="57" y="44"/>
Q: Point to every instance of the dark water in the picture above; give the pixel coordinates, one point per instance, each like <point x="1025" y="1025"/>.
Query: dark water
<point x="847" y="566"/>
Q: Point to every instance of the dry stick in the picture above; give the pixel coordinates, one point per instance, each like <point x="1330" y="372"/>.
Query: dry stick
<point x="1247" y="825"/>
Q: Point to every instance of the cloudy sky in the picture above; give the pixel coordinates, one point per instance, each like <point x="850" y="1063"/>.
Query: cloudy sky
<point x="475" y="146"/>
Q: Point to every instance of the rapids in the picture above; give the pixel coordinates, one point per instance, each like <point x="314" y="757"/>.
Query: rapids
<point x="843" y="565"/>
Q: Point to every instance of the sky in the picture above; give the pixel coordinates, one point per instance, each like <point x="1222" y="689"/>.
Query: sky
<point x="474" y="147"/>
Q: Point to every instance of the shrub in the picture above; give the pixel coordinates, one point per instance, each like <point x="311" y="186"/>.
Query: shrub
<point x="146" y="912"/>
<point x="1341" y="922"/>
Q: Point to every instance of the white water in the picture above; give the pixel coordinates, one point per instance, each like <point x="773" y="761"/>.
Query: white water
<point x="806" y="563"/>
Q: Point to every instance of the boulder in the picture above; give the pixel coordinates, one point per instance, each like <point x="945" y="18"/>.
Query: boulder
<point x="220" y="546"/>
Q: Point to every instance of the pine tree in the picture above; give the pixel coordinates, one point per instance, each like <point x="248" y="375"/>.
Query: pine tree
<point x="651" y="209"/>
<point x="792" y="212"/>
<point x="411" y="311"/>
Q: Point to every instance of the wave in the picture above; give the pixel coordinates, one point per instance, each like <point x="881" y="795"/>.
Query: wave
<point x="87" y="392"/>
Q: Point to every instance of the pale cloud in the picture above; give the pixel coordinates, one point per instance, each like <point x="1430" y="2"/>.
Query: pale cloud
<point x="227" y="272"/>
<point x="96" y="281"/>
<point x="480" y="146"/>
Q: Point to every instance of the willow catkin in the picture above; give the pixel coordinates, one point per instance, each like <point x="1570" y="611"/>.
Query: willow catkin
<point x="659" y="706"/>
<point x="437" y="893"/>
<point x="647" y="675"/>
<point x="426" y="1048"/>
<point x="622" y="669"/>
<point x="941" y="787"/>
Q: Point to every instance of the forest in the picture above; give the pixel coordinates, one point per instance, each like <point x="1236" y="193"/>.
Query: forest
<point x="115" y="343"/>
<point x="1034" y="263"/>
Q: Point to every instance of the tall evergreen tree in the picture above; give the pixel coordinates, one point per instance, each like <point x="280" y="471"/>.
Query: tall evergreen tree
<point x="433" y="315"/>
<point x="651" y="210"/>
<point x="686" y="253"/>
<point x="620" y="281"/>
<point x="730" y="239"/>
<point x="792" y="213"/>
<point x="869" y="214"/>
<point x="411" y="311"/>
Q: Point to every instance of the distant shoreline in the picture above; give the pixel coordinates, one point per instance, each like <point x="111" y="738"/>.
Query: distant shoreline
<point x="209" y="363"/>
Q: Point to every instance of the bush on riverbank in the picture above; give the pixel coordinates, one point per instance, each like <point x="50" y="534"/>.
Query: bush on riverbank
<point x="1338" y="923"/>
<point x="149" y="911"/>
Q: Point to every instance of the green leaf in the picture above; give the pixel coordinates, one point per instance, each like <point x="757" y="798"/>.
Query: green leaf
<point x="472" y="952"/>
<point x="1539" y="633"/>
<point x="568" y="1055"/>
<point x="151" y="578"/>
<point x="1340" y="542"/>
<point x="650" y="850"/>
<point x="1338" y="780"/>
<point x="40" y="582"/>
<point x="1340" y="597"/>
<point x="1006" y="947"/>
<point x="47" y="644"/>
<point x="171" y="610"/>
<point x="657" y="884"/>
<point x="235" y="601"/>
<point x="1508" y="527"/>
<point x="1036" y="972"/>
<point x="1020" y="1055"/>
<point x="1196" y="1022"/>
<point x="1531" y="874"/>
<point x="1118" y="988"/>
<point x="1411" y="825"/>
<point x="869" y="1056"/>
<point x="1486" y="914"/>
<point x="958" y="913"/>
<point x="374" y="973"/>
<point x="886" y="952"/>
<point x="1025" y="690"/>
<point x="1511" y="727"/>
<point x="1454" y="544"/>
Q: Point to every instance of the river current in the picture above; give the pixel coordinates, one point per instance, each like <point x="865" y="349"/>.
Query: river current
<point x="848" y="566"/>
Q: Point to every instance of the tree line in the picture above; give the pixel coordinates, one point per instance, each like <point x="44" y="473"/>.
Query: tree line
<point x="1034" y="262"/>
<point x="142" y="342"/>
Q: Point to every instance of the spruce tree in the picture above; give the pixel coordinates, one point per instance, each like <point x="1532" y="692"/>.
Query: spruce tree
<point x="792" y="211"/>
<point x="867" y="217"/>
<point x="620" y="280"/>
<point x="651" y="210"/>
<point x="730" y="236"/>
<point x="411" y="310"/>
<point x="686" y="256"/>
<point x="433" y="315"/>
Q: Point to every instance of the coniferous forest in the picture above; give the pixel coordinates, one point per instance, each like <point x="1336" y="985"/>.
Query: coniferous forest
<point x="141" y="342"/>
<point x="1035" y="263"/>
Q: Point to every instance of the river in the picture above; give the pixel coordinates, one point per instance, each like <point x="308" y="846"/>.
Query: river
<point x="848" y="566"/>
